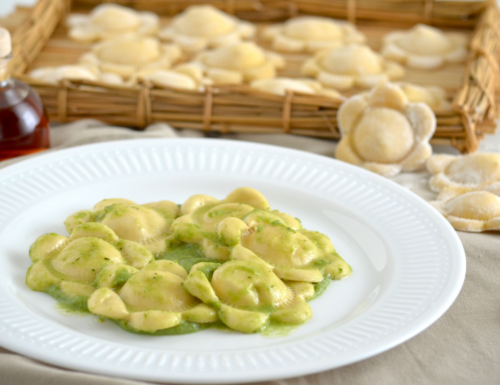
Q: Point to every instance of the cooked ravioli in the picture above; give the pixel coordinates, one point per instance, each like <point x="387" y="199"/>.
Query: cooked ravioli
<point x="232" y="262"/>
<point x="248" y="295"/>
<point x="156" y="288"/>
<point x="250" y="285"/>
<point x="71" y="264"/>
<point x="148" y="224"/>
<point x="243" y="223"/>
<point x="152" y="299"/>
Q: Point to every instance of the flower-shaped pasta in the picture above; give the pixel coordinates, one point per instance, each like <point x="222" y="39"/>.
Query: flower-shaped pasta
<point x="150" y="300"/>
<point x="54" y="75"/>
<point x="353" y="65"/>
<point x="425" y="47"/>
<point x="130" y="54"/>
<point x="184" y="76"/>
<point x="384" y="133"/>
<point x="67" y="267"/>
<point x="312" y="33"/>
<point x="248" y="295"/>
<point x="435" y="97"/>
<point x="463" y="173"/>
<point x="280" y="86"/>
<point x="148" y="224"/>
<point x="204" y="26"/>
<point x="238" y="63"/>
<point x="109" y="21"/>
<point x="474" y="211"/>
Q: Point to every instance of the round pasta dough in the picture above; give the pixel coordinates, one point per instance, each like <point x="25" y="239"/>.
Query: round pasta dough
<point x="383" y="132"/>
<point x="280" y="86"/>
<point x="352" y="65"/>
<point x="204" y="26"/>
<point x="127" y="55"/>
<point x="473" y="211"/>
<point x="110" y="21"/>
<point x="238" y="63"/>
<point x="464" y="173"/>
<point x="425" y="47"/>
<point x="312" y="33"/>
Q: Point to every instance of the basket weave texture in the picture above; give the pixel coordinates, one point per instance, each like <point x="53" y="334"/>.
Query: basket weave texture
<point x="242" y="109"/>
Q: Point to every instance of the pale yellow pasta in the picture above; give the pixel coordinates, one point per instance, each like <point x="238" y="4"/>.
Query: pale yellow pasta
<point x="425" y="47"/>
<point x="151" y="299"/>
<point x="238" y="63"/>
<point x="204" y="26"/>
<point x="232" y="261"/>
<point x="128" y="55"/>
<point x="109" y="21"/>
<point x="148" y="224"/>
<point x="352" y="65"/>
<point x="385" y="133"/>
<point x="473" y="211"/>
<point x="464" y="173"/>
<point x="248" y="295"/>
<point x="59" y="262"/>
<point x="244" y="219"/>
<point x="312" y="33"/>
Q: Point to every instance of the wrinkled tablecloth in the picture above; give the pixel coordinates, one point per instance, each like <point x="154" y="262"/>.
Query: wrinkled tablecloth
<point x="462" y="347"/>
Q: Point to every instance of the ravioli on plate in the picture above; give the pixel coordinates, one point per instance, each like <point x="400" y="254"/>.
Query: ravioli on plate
<point x="162" y="268"/>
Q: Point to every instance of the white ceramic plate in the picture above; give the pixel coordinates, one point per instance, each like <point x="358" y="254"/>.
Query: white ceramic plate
<point x="408" y="263"/>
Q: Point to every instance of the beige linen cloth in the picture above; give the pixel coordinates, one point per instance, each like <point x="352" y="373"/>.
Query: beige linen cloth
<point x="462" y="347"/>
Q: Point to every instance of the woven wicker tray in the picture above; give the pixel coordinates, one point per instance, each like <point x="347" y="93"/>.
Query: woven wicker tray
<point x="40" y="39"/>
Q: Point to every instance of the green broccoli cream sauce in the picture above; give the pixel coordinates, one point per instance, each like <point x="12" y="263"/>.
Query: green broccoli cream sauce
<point x="183" y="328"/>
<point x="73" y="305"/>
<point x="187" y="255"/>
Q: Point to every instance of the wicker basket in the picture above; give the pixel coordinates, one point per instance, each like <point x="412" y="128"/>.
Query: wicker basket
<point x="40" y="39"/>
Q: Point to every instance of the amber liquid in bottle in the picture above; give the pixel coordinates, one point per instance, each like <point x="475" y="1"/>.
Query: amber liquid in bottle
<point x="24" y="126"/>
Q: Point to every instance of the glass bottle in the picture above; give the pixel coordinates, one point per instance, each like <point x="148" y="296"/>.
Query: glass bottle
<point x="24" y="125"/>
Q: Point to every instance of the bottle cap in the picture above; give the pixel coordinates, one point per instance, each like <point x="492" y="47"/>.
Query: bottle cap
<point x="5" y="43"/>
